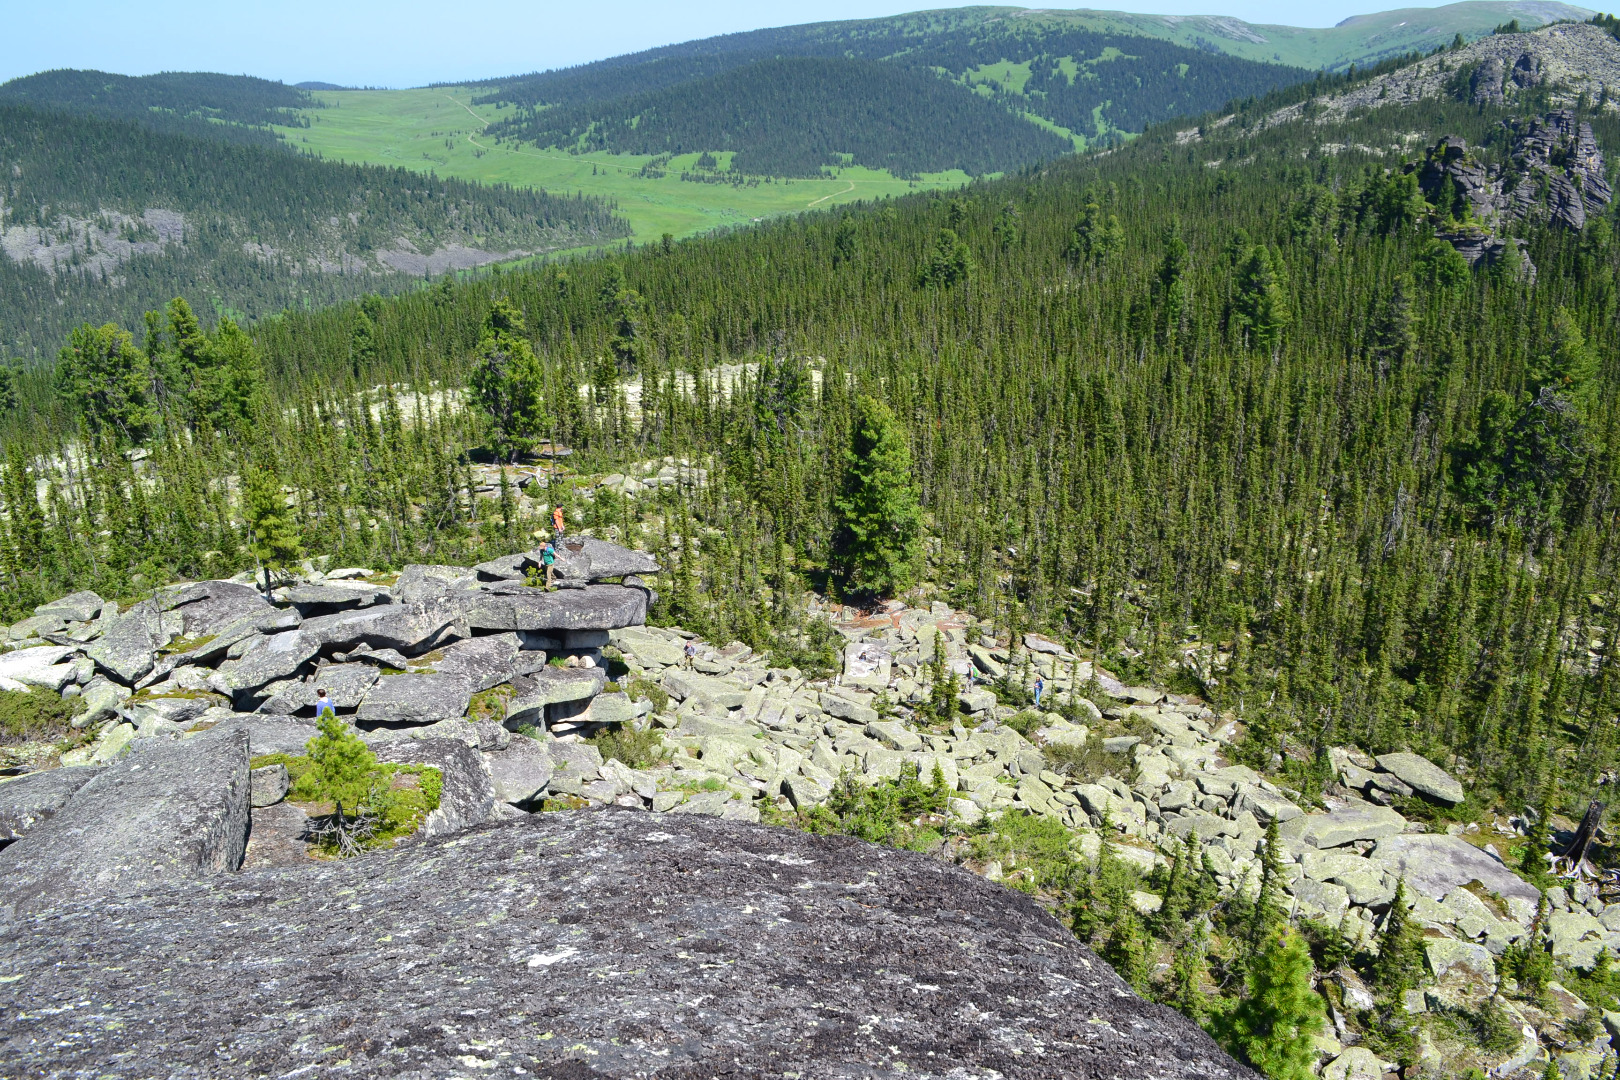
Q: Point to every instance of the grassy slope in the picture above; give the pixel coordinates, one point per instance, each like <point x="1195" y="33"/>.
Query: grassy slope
<point x="438" y="129"/>
<point x="1358" y="40"/>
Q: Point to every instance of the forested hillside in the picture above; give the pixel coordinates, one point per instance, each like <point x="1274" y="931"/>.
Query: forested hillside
<point x="791" y="117"/>
<point x="233" y="108"/>
<point x="1091" y="84"/>
<point x="104" y="218"/>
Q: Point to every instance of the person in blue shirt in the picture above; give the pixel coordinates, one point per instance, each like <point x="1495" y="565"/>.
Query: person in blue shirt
<point x="324" y="704"/>
<point x="1040" y="686"/>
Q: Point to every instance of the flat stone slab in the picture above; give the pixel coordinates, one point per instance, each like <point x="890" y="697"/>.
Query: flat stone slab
<point x="30" y="799"/>
<point x="517" y="607"/>
<point x="489" y="661"/>
<point x="551" y="686"/>
<point x="266" y="660"/>
<point x="175" y="811"/>
<point x="207" y="607"/>
<point x="520" y="772"/>
<point x="345" y="684"/>
<point x="1435" y="863"/>
<point x="584" y="558"/>
<point x="75" y="607"/>
<point x="1343" y="826"/>
<point x="411" y="628"/>
<point x="498" y="948"/>
<point x="277" y="734"/>
<point x="278" y="836"/>
<point x="415" y="699"/>
<point x="128" y="647"/>
<point x="1423" y="775"/>
<point x="41" y="665"/>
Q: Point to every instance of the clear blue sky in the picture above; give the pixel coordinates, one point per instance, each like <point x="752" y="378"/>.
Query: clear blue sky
<point x="412" y="42"/>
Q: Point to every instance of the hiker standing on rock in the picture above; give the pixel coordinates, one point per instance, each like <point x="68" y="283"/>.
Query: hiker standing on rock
<point x="689" y="654"/>
<point x="1040" y="686"/>
<point x="557" y="521"/>
<point x="324" y="704"/>
<point x="548" y="559"/>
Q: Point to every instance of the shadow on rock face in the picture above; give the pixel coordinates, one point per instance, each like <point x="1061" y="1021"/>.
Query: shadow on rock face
<point x="585" y="944"/>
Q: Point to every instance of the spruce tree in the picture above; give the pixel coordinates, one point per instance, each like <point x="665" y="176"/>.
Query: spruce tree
<point x="878" y="544"/>
<point x="273" y="533"/>
<point x="1273" y="1027"/>
<point x="507" y="381"/>
<point x="1399" y="964"/>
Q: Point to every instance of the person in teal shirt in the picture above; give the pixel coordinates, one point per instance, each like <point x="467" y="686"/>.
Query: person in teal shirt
<point x="548" y="558"/>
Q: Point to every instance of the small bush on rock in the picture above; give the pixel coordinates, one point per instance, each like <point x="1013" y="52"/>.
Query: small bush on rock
<point x="37" y="714"/>
<point x="1086" y="762"/>
<point x="635" y="749"/>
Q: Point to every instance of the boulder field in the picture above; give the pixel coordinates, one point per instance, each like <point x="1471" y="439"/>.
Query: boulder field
<point x="158" y="838"/>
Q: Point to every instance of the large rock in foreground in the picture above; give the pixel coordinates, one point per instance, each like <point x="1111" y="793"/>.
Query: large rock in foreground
<point x="175" y="811"/>
<point x="602" y="944"/>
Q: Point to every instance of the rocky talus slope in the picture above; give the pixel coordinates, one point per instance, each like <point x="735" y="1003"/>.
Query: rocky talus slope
<point x="501" y="685"/>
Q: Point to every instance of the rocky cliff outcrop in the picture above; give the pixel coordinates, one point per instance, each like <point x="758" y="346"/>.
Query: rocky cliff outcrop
<point x="1554" y="175"/>
<point x="600" y="944"/>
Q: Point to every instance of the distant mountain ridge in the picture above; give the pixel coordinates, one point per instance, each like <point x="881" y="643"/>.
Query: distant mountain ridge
<point x="232" y="108"/>
<point x="1084" y="86"/>
<point x="1085" y="75"/>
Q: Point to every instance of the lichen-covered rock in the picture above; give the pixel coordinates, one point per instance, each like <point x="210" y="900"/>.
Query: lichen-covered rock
<point x="420" y="582"/>
<point x="489" y="661"/>
<point x="266" y="659"/>
<point x="30" y="799"/>
<point x="606" y="944"/>
<point x="411" y="628"/>
<point x="41" y="665"/>
<point x="415" y="699"/>
<point x="1343" y="825"/>
<point x="467" y="797"/>
<point x="518" y="607"/>
<point x="532" y="694"/>
<point x="1434" y="864"/>
<point x="521" y="771"/>
<point x="75" y="607"/>
<point x="345" y="684"/>
<point x="268" y="785"/>
<point x="1421" y="774"/>
<point x="128" y="647"/>
<point x="207" y="607"/>
<point x="175" y="811"/>
<point x="585" y="559"/>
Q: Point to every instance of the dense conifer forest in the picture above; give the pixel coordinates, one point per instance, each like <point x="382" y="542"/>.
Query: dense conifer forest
<point x="1092" y="83"/>
<point x="792" y="117"/>
<point x="232" y="108"/>
<point x="104" y="217"/>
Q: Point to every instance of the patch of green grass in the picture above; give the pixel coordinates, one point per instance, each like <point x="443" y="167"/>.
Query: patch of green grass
<point x="490" y="704"/>
<point x="186" y="644"/>
<point x="1024" y="722"/>
<point x="1038" y="846"/>
<point x="634" y="749"/>
<point x="643" y="687"/>
<point x="438" y="129"/>
<point x="36" y="715"/>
